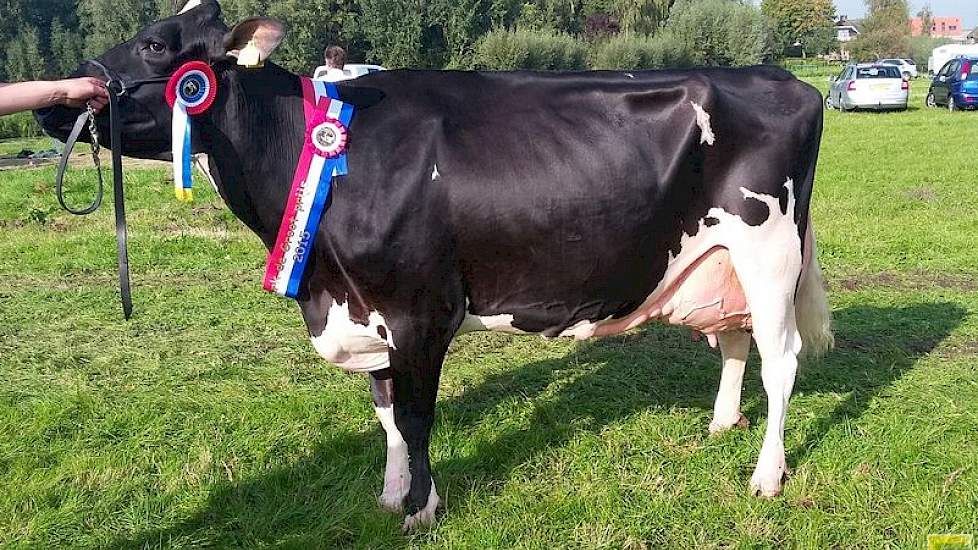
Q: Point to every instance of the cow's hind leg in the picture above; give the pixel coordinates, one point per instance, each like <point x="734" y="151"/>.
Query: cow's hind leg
<point x="772" y="310"/>
<point x="734" y="347"/>
<point x="397" y="476"/>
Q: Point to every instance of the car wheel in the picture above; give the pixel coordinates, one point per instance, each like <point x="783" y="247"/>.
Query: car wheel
<point x="931" y="100"/>
<point x="828" y="103"/>
<point x="950" y="104"/>
<point x="906" y="76"/>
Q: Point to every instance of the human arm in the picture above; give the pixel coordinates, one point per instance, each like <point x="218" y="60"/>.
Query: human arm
<point x="73" y="92"/>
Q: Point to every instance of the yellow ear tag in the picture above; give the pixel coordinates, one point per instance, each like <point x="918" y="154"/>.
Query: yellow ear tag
<point x="250" y="56"/>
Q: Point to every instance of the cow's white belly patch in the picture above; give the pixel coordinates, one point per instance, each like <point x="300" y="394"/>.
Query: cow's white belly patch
<point x="494" y="323"/>
<point x="730" y="243"/>
<point x="352" y="346"/>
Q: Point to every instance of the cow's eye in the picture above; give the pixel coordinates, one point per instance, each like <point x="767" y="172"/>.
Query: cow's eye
<point x="156" y="47"/>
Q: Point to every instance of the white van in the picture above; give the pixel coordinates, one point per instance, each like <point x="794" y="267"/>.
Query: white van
<point x="943" y="54"/>
<point x="349" y="72"/>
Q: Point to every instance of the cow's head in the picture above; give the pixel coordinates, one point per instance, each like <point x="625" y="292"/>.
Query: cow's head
<point x="142" y="64"/>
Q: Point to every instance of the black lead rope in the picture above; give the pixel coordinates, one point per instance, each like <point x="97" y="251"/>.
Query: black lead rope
<point x="116" y="87"/>
<point x="115" y="137"/>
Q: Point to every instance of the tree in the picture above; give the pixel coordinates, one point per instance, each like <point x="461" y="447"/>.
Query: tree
<point x="926" y="20"/>
<point x="10" y="22"/>
<point x="886" y="31"/>
<point x="106" y="23"/>
<point x="65" y="47"/>
<point x="805" y="22"/>
<point x="24" y="60"/>
<point x="718" y="33"/>
<point x="641" y="16"/>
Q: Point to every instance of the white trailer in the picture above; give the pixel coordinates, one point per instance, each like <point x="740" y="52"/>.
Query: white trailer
<point x="947" y="52"/>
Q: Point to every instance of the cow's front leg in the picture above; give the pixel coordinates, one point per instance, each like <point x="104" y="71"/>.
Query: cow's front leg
<point x="415" y="370"/>
<point x="397" y="477"/>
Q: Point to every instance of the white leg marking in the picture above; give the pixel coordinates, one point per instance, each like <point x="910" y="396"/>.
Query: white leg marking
<point x="425" y="516"/>
<point x="734" y="346"/>
<point x="703" y="121"/>
<point x="397" y="476"/>
<point x="434" y="173"/>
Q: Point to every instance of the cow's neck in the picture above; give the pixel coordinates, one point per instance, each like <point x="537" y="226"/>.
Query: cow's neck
<point x="253" y="139"/>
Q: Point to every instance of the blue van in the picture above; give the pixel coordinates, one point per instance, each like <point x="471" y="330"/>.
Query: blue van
<point x="955" y="85"/>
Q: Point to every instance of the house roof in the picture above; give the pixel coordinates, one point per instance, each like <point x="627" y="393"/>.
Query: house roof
<point x="856" y="24"/>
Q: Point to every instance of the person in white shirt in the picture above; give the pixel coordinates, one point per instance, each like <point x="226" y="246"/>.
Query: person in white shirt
<point x="332" y="71"/>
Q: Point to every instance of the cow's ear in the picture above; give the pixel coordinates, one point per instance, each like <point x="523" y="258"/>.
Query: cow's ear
<point x="252" y="41"/>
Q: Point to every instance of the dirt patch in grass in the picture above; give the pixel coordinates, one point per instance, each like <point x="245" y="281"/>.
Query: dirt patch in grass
<point x="960" y="349"/>
<point x="923" y="194"/>
<point x="911" y="280"/>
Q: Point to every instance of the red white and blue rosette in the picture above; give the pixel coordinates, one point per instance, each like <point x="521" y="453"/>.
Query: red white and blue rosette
<point x="323" y="156"/>
<point x="190" y="91"/>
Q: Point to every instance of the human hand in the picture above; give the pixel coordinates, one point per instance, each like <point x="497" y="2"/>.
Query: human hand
<point x="76" y="92"/>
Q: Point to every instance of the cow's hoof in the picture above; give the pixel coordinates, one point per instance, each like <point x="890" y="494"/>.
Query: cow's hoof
<point x="766" y="482"/>
<point x="391" y="502"/>
<point x="425" y="516"/>
<point x="717" y="428"/>
<point x="392" y="499"/>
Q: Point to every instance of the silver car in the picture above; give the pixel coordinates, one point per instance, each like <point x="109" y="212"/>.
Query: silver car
<point x="907" y="67"/>
<point x="868" y="86"/>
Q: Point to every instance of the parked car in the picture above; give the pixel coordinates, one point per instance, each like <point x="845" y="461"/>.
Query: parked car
<point x="868" y="86"/>
<point x="350" y="71"/>
<point x="907" y="67"/>
<point x="955" y="85"/>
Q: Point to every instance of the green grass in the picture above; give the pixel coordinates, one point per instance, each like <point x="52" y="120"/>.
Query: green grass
<point x="208" y="421"/>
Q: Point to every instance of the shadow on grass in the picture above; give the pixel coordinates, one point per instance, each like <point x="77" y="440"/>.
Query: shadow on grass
<point x="328" y="500"/>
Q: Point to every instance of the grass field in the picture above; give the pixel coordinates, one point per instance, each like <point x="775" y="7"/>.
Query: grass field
<point x="208" y="421"/>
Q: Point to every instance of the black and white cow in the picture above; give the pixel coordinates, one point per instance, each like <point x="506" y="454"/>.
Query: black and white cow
<point x="573" y="204"/>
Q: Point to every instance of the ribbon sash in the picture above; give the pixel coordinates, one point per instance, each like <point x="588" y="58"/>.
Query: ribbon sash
<point x="182" y="178"/>
<point x="311" y="186"/>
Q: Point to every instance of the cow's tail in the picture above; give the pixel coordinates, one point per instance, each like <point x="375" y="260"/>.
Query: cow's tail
<point x="812" y="315"/>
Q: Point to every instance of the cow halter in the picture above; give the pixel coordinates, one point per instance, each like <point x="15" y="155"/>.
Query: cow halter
<point x="117" y="87"/>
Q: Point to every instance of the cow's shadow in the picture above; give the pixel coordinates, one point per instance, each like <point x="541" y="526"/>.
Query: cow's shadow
<point x="328" y="499"/>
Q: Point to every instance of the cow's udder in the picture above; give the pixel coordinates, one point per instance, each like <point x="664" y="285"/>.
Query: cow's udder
<point x="707" y="298"/>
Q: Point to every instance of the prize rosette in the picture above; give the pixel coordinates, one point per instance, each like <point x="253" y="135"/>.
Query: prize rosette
<point x="190" y="91"/>
<point x="328" y="137"/>
<point x="195" y="85"/>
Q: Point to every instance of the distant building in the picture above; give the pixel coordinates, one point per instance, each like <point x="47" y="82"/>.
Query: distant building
<point x="945" y="27"/>
<point x="846" y="30"/>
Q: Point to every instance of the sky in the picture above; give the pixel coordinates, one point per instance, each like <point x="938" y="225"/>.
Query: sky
<point x="966" y="9"/>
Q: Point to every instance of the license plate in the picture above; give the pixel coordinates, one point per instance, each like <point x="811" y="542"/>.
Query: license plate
<point x="882" y="87"/>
